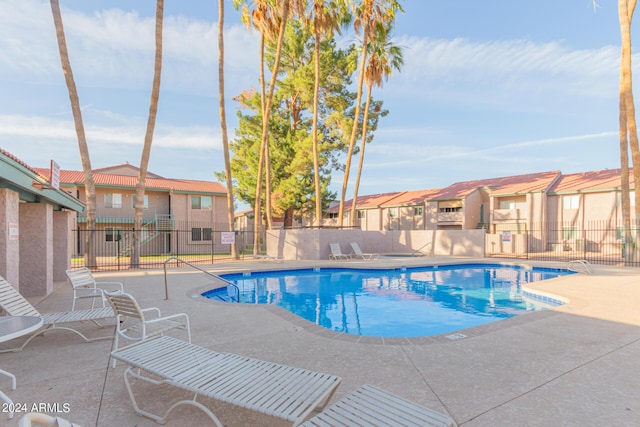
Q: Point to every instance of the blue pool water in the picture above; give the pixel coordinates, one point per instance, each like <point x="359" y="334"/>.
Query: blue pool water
<point x="406" y="302"/>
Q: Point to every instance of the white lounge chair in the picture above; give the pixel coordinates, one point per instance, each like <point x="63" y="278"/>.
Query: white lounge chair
<point x="14" y="304"/>
<point x="33" y="419"/>
<point x="278" y="390"/>
<point x="85" y="286"/>
<point x="372" y="406"/>
<point x="137" y="324"/>
<point x="336" y="252"/>
<point x="357" y="253"/>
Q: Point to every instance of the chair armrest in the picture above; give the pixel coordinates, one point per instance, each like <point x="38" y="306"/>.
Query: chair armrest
<point x="110" y="284"/>
<point x="172" y="316"/>
<point x="156" y="310"/>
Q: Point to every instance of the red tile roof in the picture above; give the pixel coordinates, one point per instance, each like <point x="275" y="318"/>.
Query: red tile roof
<point x="607" y="179"/>
<point x="368" y="201"/>
<point x="412" y="197"/>
<point x="500" y="186"/>
<point x="17" y="160"/>
<point x="110" y="180"/>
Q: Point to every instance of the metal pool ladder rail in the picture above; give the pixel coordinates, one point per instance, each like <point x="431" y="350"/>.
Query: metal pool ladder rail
<point x="580" y="266"/>
<point x="208" y="273"/>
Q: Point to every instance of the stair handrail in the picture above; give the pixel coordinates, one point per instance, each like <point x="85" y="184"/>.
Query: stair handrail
<point x="174" y="258"/>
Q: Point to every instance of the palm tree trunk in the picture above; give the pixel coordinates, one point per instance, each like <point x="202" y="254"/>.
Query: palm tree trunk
<point x="354" y="129"/>
<point x="148" y="137"/>
<point x="315" y="148"/>
<point x="361" y="162"/>
<point x="223" y="124"/>
<point x="265" y="128"/>
<point x="625" y="14"/>
<point x="89" y="185"/>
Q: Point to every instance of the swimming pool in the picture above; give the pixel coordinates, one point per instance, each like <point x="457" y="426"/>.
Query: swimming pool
<point x="404" y="302"/>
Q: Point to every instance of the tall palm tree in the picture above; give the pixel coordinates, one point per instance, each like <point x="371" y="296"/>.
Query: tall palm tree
<point x="89" y="185"/>
<point x="383" y="58"/>
<point x="628" y="127"/>
<point x="223" y="123"/>
<point x="280" y="11"/>
<point x="368" y="14"/>
<point x="148" y="138"/>
<point x="326" y="18"/>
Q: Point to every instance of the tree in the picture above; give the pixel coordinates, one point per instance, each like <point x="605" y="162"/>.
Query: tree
<point x="628" y="127"/>
<point x="290" y="124"/>
<point x="223" y="123"/>
<point x="148" y="138"/>
<point x="326" y="18"/>
<point x="262" y="17"/>
<point x="382" y="59"/>
<point x="89" y="185"/>
<point x="368" y="15"/>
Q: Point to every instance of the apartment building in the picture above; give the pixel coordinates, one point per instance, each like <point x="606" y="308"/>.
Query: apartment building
<point x="178" y="213"/>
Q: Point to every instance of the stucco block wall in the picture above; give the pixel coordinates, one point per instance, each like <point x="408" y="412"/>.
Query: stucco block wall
<point x="63" y="224"/>
<point x="36" y="249"/>
<point x="314" y="244"/>
<point x="9" y="243"/>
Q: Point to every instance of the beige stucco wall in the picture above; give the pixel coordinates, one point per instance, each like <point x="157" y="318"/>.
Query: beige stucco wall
<point x="314" y="244"/>
<point x="63" y="224"/>
<point x="36" y="249"/>
<point x="9" y="245"/>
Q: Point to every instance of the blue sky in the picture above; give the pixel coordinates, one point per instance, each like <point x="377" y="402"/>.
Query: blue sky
<point x="488" y="89"/>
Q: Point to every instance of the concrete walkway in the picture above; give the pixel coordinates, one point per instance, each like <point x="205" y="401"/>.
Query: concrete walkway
<point x="577" y="365"/>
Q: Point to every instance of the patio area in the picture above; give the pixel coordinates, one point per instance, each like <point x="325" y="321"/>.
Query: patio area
<point x="574" y="365"/>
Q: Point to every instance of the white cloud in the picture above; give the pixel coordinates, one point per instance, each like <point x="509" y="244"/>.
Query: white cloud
<point x="34" y="128"/>
<point x="462" y="68"/>
<point x="115" y="48"/>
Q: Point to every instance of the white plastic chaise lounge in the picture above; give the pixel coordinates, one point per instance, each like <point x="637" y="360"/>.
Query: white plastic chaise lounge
<point x="14" y="304"/>
<point x="85" y="286"/>
<point x="277" y="390"/>
<point x="37" y="419"/>
<point x="371" y="406"/>
<point x="336" y="252"/>
<point x="137" y="324"/>
<point x="357" y="253"/>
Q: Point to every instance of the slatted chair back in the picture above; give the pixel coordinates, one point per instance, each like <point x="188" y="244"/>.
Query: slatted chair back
<point x="13" y="303"/>
<point x="124" y="305"/>
<point x="81" y="277"/>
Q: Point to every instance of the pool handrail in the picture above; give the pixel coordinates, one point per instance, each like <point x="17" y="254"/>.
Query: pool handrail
<point x="174" y="258"/>
<point x="419" y="250"/>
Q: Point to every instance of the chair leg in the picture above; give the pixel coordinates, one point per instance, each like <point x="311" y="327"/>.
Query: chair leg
<point x="115" y="345"/>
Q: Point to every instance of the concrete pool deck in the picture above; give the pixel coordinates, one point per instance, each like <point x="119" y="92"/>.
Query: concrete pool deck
<point x="576" y="365"/>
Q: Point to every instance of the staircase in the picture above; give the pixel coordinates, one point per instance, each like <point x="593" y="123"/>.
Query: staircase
<point x="149" y="231"/>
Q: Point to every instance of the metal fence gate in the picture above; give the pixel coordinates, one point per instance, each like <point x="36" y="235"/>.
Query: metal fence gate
<point x="114" y="246"/>
<point x="599" y="242"/>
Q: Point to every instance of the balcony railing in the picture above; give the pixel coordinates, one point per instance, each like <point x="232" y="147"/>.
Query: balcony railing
<point x="451" y="217"/>
<point x="507" y="214"/>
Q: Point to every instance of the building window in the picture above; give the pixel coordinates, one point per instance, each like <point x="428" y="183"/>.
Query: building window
<point x="196" y="234"/>
<point x="450" y="209"/>
<point x="206" y="234"/>
<point x="146" y="202"/>
<point x="418" y="211"/>
<point x="571" y="202"/>
<point x="201" y="234"/>
<point x="569" y="233"/>
<point x="333" y="215"/>
<point x="512" y="204"/>
<point x="113" y="200"/>
<point x="361" y="214"/>
<point x="201" y="202"/>
<point x="112" y="234"/>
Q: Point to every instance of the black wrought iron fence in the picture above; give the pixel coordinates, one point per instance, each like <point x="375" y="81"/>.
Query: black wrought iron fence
<point x="115" y="246"/>
<point x="599" y="242"/>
